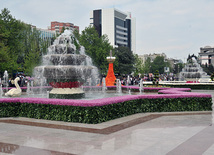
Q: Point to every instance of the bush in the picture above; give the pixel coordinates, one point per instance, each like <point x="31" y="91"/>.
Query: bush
<point x="98" y="114"/>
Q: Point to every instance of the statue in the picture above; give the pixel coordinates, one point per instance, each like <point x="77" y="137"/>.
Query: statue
<point x="15" y="92"/>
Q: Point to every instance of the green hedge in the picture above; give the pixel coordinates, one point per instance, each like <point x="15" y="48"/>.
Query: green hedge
<point x="100" y="114"/>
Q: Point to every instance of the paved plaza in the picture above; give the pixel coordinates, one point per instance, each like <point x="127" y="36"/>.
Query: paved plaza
<point x="186" y="133"/>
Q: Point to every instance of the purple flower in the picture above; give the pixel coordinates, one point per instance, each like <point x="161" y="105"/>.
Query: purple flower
<point x="165" y="93"/>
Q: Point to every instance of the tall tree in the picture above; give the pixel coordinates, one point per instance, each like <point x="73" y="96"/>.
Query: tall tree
<point x="9" y="40"/>
<point x="124" y="60"/>
<point x="6" y="62"/>
<point x="138" y="66"/>
<point x="96" y="47"/>
<point x="18" y="42"/>
<point x="34" y="47"/>
<point x="147" y="66"/>
<point x="159" y="64"/>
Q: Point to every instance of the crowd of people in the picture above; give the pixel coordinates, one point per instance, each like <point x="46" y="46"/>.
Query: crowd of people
<point x="125" y="79"/>
<point x="132" y="80"/>
<point x="22" y="82"/>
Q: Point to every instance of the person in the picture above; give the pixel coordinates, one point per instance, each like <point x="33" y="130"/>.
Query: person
<point x="11" y="83"/>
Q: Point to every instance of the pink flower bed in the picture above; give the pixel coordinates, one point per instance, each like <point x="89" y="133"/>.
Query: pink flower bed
<point x="166" y="93"/>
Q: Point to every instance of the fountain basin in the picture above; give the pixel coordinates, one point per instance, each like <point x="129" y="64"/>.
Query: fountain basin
<point x="67" y="77"/>
<point x="65" y="71"/>
<point x="101" y="110"/>
<point x="67" y="93"/>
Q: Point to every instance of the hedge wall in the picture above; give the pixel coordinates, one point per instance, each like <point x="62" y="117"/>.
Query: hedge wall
<point x="98" y="114"/>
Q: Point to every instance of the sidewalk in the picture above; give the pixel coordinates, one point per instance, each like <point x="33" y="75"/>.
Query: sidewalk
<point x="149" y="134"/>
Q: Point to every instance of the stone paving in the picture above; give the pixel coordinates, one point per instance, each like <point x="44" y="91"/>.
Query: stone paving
<point x="183" y="133"/>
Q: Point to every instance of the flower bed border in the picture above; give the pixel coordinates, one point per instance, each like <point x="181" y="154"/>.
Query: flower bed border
<point x="101" y="110"/>
<point x="204" y="86"/>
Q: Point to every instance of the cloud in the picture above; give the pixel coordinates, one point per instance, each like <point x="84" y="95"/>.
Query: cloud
<point x="177" y="27"/>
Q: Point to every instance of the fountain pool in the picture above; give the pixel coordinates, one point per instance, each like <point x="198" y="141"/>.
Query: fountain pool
<point x="66" y="69"/>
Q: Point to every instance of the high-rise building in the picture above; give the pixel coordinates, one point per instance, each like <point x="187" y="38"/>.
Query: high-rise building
<point x="120" y="27"/>
<point x="57" y="26"/>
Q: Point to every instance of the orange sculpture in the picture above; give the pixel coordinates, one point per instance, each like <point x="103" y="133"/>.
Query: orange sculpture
<point x="110" y="78"/>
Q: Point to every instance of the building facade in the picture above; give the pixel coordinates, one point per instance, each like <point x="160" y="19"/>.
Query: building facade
<point x="120" y="27"/>
<point x="206" y="55"/>
<point x="151" y="56"/>
<point x="46" y="34"/>
<point x="58" y="26"/>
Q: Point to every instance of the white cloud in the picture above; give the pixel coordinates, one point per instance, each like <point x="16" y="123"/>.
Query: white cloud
<point x="177" y="27"/>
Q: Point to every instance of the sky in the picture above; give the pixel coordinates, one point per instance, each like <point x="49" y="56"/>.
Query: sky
<point x="174" y="27"/>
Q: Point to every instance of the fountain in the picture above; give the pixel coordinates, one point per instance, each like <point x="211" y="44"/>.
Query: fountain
<point x="5" y="77"/>
<point x="1" y="90"/>
<point x="65" y="68"/>
<point x="141" y="86"/>
<point x="104" y="88"/>
<point x="28" y="91"/>
<point x="118" y="86"/>
<point x="193" y="72"/>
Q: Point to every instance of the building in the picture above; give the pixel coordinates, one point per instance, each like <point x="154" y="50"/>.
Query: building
<point x="57" y="26"/>
<point x="206" y="55"/>
<point x="120" y="27"/>
<point x="46" y="34"/>
<point x="151" y="56"/>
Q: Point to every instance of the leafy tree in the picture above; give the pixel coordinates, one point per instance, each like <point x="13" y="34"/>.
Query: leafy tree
<point x="125" y="60"/>
<point x="156" y="78"/>
<point x="12" y="31"/>
<point x="63" y="29"/>
<point x="178" y="68"/>
<point x="209" y="69"/>
<point x="9" y="30"/>
<point x="96" y="47"/>
<point x="35" y="47"/>
<point x="76" y="39"/>
<point x="4" y="59"/>
<point x="138" y="66"/>
<point x="159" y="64"/>
<point x="18" y="43"/>
<point x="147" y="66"/>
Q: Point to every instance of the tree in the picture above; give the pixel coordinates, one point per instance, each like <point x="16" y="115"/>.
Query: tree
<point x="9" y="45"/>
<point x="4" y="59"/>
<point x="124" y="60"/>
<point x="147" y="66"/>
<point x="96" y="47"/>
<point x="209" y="69"/>
<point x="18" y="43"/>
<point x="63" y="29"/>
<point x="138" y="66"/>
<point x="178" y="68"/>
<point x="34" y="48"/>
<point x="159" y="64"/>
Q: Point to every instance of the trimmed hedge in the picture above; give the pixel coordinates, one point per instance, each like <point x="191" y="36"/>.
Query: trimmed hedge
<point x="98" y="114"/>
